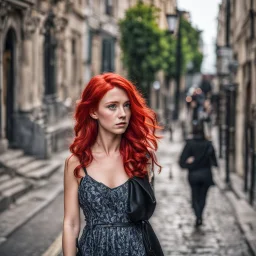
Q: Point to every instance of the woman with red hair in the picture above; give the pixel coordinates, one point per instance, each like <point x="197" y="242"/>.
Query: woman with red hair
<point x="115" y="139"/>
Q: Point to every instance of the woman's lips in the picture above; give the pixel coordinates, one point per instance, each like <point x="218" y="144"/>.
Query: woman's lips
<point x="121" y="124"/>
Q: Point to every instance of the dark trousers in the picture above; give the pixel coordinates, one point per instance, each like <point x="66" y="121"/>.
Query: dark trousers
<point x="199" y="194"/>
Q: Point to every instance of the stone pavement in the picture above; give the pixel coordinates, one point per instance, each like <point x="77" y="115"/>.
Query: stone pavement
<point x="173" y="220"/>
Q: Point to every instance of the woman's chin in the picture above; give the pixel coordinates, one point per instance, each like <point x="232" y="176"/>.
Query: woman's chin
<point x="119" y="131"/>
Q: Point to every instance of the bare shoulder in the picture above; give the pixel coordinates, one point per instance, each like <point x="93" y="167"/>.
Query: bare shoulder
<point x="71" y="162"/>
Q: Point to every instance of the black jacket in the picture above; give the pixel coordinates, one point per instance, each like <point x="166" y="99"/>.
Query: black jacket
<point x="203" y="152"/>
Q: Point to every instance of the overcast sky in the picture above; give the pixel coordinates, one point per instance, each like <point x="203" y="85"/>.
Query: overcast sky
<point x="204" y="17"/>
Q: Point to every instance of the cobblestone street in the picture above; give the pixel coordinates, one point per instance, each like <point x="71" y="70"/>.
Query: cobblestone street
<point x="173" y="220"/>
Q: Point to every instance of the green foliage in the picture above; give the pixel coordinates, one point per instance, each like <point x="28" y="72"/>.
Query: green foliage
<point x="169" y="54"/>
<point x="142" y="44"/>
<point x="190" y="47"/>
<point x="190" y="53"/>
<point x="148" y="49"/>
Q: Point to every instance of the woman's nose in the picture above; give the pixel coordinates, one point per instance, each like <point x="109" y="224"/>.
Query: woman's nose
<point x="122" y="113"/>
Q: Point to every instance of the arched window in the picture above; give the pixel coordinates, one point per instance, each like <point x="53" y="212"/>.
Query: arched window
<point x="108" y="55"/>
<point x="9" y="56"/>
<point x="109" y="7"/>
<point x="50" y="45"/>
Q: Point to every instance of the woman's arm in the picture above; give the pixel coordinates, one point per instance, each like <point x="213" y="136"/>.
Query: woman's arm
<point x="71" y="222"/>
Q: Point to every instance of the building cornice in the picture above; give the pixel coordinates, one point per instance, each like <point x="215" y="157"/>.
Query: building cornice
<point x="81" y="14"/>
<point x="21" y="4"/>
<point x="94" y="22"/>
<point x="110" y="28"/>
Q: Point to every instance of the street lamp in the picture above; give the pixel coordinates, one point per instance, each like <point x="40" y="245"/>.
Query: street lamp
<point x="173" y="21"/>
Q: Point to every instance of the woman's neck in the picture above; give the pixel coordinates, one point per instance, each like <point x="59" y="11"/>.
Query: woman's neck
<point x="107" y="143"/>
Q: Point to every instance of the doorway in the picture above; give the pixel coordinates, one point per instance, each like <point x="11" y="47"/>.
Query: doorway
<point x="9" y="56"/>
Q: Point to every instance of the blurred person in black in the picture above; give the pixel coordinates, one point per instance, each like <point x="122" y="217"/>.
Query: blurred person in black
<point x="206" y="86"/>
<point x="198" y="156"/>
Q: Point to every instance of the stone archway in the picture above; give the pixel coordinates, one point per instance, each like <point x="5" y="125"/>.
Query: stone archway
<point x="9" y="56"/>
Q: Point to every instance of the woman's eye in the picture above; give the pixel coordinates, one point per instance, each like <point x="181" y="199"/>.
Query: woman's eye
<point x="112" y="106"/>
<point x="127" y="105"/>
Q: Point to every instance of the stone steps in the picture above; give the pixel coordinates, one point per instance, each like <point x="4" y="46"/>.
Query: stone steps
<point x="10" y="183"/>
<point x="32" y="166"/>
<point x="20" y="173"/>
<point x="4" y="178"/>
<point x="17" y="191"/>
<point x="4" y="203"/>
<point x="2" y="171"/>
<point x="16" y="163"/>
<point x="10" y="154"/>
<point x="43" y="172"/>
<point x="11" y="188"/>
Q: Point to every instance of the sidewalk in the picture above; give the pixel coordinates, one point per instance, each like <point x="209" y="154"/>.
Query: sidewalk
<point x="246" y="215"/>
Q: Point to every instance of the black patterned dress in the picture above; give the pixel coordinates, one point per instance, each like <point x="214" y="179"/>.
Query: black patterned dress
<point x="102" y="206"/>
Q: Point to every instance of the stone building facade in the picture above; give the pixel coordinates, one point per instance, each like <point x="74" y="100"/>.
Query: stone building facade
<point x="162" y="92"/>
<point x="42" y="63"/>
<point x="49" y="50"/>
<point x="237" y="79"/>
<point x="103" y="37"/>
<point x="102" y="48"/>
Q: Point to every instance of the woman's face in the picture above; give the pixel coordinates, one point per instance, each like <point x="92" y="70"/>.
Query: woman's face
<point x="114" y="112"/>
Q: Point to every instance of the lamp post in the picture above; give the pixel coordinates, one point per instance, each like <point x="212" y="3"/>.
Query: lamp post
<point x="252" y="192"/>
<point x="173" y="21"/>
<point x="253" y="156"/>
<point x="230" y="120"/>
<point x="230" y="128"/>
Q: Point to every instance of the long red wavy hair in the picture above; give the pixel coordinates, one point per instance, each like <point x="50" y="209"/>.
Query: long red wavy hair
<point x="139" y="140"/>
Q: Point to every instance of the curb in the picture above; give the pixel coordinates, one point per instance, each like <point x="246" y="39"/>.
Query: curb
<point x="245" y="215"/>
<point x="31" y="214"/>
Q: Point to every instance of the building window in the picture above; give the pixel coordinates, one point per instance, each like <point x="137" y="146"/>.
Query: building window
<point x="109" y="7"/>
<point x="90" y="38"/>
<point x="74" y="60"/>
<point x="108" y="55"/>
<point x="50" y="60"/>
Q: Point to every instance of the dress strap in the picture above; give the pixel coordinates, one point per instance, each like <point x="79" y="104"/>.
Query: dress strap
<point x="85" y="171"/>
